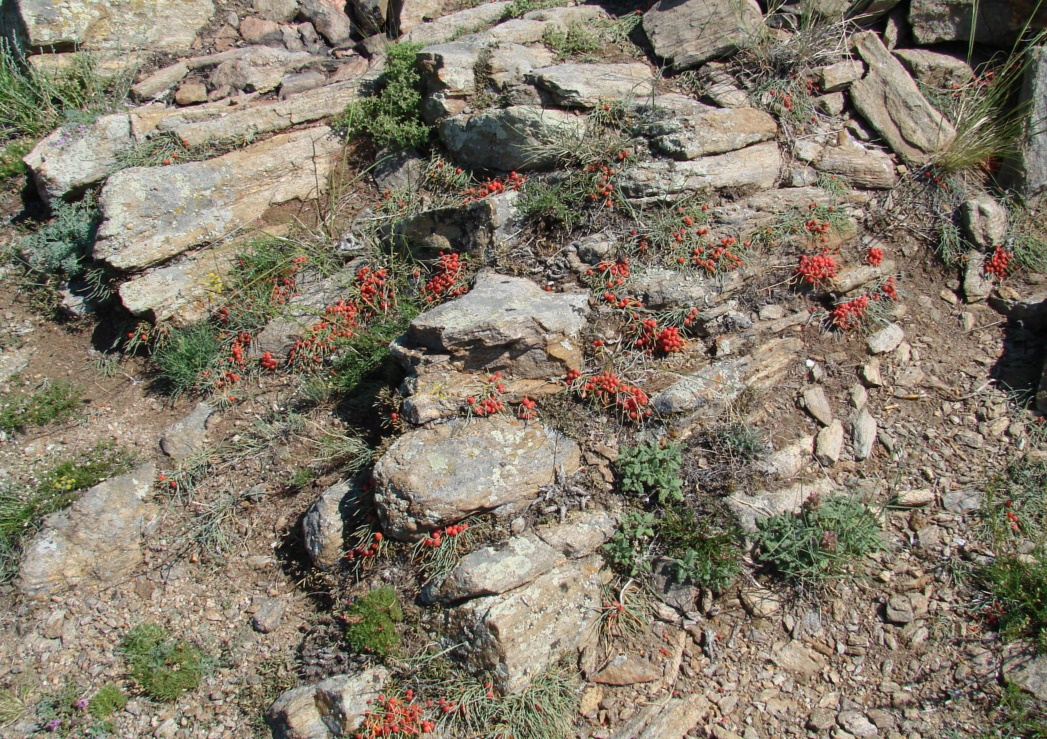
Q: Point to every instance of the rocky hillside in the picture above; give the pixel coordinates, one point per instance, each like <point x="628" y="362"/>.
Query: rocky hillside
<point x="523" y="369"/>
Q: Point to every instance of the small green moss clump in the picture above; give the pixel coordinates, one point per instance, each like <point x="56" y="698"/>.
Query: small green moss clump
<point x="108" y="700"/>
<point x="370" y="623"/>
<point x="163" y="667"/>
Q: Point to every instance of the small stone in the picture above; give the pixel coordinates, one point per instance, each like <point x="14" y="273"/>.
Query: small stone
<point x="863" y="432"/>
<point x="886" y="339"/>
<point x="760" y="602"/>
<point x="191" y="93"/>
<point x="977" y="286"/>
<point x="915" y="498"/>
<point x="817" y="404"/>
<point x="772" y="312"/>
<point x="626" y="669"/>
<point x="822" y="719"/>
<point x="268" y="614"/>
<point x="968" y="321"/>
<point x="856" y="724"/>
<point x="870" y="374"/>
<point x="52" y="628"/>
<point x="949" y="297"/>
<point x="1024" y="668"/>
<point x="187" y="436"/>
<point x="829" y="443"/>
<point x="962" y="501"/>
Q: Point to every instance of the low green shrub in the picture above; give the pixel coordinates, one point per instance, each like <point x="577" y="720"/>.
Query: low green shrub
<point x="700" y="554"/>
<point x="370" y="622"/>
<point x="109" y="699"/>
<point x="1018" y="586"/>
<point x="392" y="113"/>
<point x="652" y="470"/>
<point x="820" y="541"/>
<point x="63" y="243"/>
<point x="163" y="667"/>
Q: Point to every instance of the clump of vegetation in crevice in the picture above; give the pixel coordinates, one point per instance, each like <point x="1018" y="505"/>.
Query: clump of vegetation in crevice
<point x="370" y="623"/>
<point x="49" y="402"/>
<point x="163" y="666"/>
<point x="391" y="113"/>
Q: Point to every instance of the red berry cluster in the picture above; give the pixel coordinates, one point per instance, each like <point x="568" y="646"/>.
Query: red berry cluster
<point x="446" y="280"/>
<point x="367" y="549"/>
<point x="284" y="286"/>
<point x="889" y="289"/>
<point x="612" y="392"/>
<point x="874" y="256"/>
<point x="999" y="264"/>
<point x="267" y="361"/>
<point x="488" y="402"/>
<point x="340" y="321"/>
<point x="611" y="274"/>
<point x="391" y="716"/>
<point x="603" y="189"/>
<point x="435" y="539"/>
<point x="817" y="269"/>
<point x="847" y="315"/>
<point x="376" y="294"/>
<point x="527" y="410"/>
<point x="669" y="340"/>
<point x="493" y="186"/>
<point x="616" y="301"/>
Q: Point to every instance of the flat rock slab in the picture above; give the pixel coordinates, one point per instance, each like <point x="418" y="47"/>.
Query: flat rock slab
<point x="154" y="213"/>
<point x="509" y="139"/>
<point x="890" y="101"/>
<point x="434" y="476"/>
<point x="682" y="128"/>
<point x="521" y="559"/>
<point x="688" y="33"/>
<point x="183" y="292"/>
<point x="517" y="635"/>
<point x="752" y="168"/>
<point x="504" y="323"/>
<point x="117" y="25"/>
<point x="448" y="27"/>
<point x="97" y="540"/>
<point x="587" y="85"/>
<point x="77" y="156"/>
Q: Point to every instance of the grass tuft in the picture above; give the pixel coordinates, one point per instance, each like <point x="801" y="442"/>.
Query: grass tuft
<point x="49" y="402"/>
<point x="186" y="355"/>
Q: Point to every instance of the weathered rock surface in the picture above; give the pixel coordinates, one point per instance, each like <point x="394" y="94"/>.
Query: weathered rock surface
<point x="752" y="168"/>
<point x="816" y="403"/>
<point x="985" y="221"/>
<point x="710" y="389"/>
<point x="688" y="33"/>
<point x="666" y="288"/>
<point x="672" y="719"/>
<point x="77" y="156"/>
<point x="586" y="85"/>
<point x="1024" y="668"/>
<point x="829" y="443"/>
<point x="448" y="27"/>
<point x="258" y="68"/>
<point x="437" y="475"/>
<point x="97" y="540"/>
<point x="304" y="310"/>
<point x="890" y="101"/>
<point x="1028" y="170"/>
<point x="626" y="669"/>
<point x="936" y="69"/>
<point x="498" y="569"/>
<point x="323" y="525"/>
<point x="183" y="292"/>
<point x="516" y="635"/>
<point x="863" y="432"/>
<point x="280" y="11"/>
<point x="836" y="77"/>
<point x="684" y="129"/>
<point x="332" y="708"/>
<point x="160" y="81"/>
<point x="977" y="286"/>
<point x="765" y="503"/>
<point x="187" y="436"/>
<point x="503" y="323"/>
<point x="154" y="213"/>
<point x="515" y="138"/>
<point x="328" y="18"/>
<point x="478" y="228"/>
<point x="886" y="339"/>
<point x="998" y="22"/>
<point x="858" y="165"/>
<point x="117" y="25"/>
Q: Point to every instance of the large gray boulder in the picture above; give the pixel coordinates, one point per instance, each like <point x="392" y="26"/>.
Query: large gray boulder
<point x="1028" y="169"/>
<point x="517" y="635"/>
<point x="694" y="31"/>
<point x="154" y="213"/>
<point x="437" y="475"/>
<point x="115" y="25"/>
<point x="750" y="169"/>
<point x="682" y="128"/>
<point x="518" y="138"/>
<point x="587" y="85"/>
<point x="503" y="323"/>
<point x="998" y="22"/>
<point x="77" y="156"/>
<point x="96" y="541"/>
<point x="890" y="101"/>
<point x="331" y="708"/>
